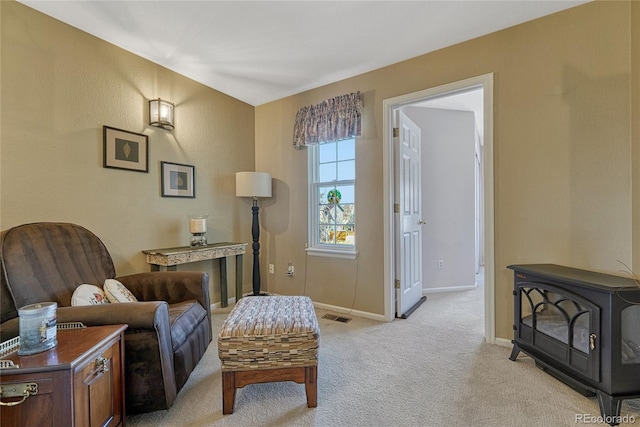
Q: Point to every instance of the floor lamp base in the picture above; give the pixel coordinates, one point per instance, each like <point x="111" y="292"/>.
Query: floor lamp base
<point x="259" y="294"/>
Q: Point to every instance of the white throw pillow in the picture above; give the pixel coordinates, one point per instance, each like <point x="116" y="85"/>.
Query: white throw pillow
<point x="117" y="292"/>
<point x="88" y="295"/>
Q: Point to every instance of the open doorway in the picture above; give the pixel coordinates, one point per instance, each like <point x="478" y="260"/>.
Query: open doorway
<point x="450" y="97"/>
<point x="452" y="131"/>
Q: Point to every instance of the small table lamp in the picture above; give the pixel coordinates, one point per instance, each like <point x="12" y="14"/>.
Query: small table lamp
<point x="254" y="184"/>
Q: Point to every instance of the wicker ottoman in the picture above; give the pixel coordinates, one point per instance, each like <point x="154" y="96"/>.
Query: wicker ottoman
<point x="268" y="339"/>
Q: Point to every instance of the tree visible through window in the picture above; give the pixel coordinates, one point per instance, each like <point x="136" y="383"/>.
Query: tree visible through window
<point x="333" y="195"/>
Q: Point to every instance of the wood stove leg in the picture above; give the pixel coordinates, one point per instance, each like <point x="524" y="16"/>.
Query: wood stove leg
<point x="514" y="352"/>
<point x="311" y="385"/>
<point x="228" y="392"/>
<point x="609" y="407"/>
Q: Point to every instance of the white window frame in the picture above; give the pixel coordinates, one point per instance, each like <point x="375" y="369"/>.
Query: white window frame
<point x="313" y="246"/>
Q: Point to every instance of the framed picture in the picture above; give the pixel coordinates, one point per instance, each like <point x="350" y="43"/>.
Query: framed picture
<point x="125" y="150"/>
<point x="177" y="180"/>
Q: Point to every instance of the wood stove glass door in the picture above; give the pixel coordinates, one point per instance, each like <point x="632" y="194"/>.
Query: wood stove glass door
<point x="562" y="325"/>
<point x="630" y="351"/>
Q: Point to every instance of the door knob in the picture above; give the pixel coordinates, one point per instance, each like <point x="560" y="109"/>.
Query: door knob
<point x="422" y="222"/>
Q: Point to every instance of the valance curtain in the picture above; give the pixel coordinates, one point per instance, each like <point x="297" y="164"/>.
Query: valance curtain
<point x="331" y="120"/>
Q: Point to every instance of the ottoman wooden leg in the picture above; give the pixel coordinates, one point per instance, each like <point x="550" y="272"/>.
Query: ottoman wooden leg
<point x="311" y="385"/>
<point x="228" y="392"/>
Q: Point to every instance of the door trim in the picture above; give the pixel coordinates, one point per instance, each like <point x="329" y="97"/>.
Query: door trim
<point x="388" y="106"/>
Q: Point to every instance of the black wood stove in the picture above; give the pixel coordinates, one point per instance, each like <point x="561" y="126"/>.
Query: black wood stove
<point x="583" y="328"/>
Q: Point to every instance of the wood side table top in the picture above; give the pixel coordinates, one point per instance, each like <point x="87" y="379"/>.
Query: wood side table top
<point x="72" y="345"/>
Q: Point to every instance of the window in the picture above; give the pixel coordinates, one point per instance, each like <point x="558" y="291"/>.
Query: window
<point x="332" y="225"/>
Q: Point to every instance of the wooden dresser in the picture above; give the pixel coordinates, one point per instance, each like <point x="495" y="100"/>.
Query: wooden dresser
<point x="80" y="382"/>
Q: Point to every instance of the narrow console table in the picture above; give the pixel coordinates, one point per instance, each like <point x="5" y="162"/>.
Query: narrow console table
<point x="170" y="258"/>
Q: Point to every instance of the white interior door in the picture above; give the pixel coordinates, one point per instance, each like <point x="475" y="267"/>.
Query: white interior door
<point x="408" y="214"/>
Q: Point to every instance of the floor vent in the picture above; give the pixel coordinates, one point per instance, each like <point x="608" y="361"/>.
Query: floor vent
<point x="337" y="318"/>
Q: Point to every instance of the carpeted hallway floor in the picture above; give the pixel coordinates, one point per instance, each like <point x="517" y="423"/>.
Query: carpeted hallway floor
<point x="432" y="369"/>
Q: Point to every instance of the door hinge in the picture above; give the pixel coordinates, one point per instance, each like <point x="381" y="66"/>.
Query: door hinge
<point x="397" y="283"/>
<point x="396" y="208"/>
<point x="396" y="132"/>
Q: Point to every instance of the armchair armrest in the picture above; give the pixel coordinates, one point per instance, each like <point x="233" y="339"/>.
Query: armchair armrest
<point x="10" y="329"/>
<point x="138" y="315"/>
<point x="151" y="315"/>
<point x="169" y="286"/>
<point x="149" y="358"/>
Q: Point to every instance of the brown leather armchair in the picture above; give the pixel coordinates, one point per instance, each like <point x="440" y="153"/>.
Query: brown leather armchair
<point x="169" y="328"/>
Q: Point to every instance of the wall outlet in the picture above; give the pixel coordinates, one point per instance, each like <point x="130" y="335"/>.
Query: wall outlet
<point x="272" y="269"/>
<point x="290" y="270"/>
<point x="440" y="264"/>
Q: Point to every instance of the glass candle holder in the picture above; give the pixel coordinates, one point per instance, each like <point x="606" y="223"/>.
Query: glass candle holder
<point x="198" y="228"/>
<point x="37" y="327"/>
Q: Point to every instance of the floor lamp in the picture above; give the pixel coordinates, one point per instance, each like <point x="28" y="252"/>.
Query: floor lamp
<point x="254" y="184"/>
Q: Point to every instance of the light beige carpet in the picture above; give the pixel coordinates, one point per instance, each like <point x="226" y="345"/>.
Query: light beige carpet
<point x="432" y="369"/>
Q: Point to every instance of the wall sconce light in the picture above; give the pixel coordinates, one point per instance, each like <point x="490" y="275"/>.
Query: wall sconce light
<point x="161" y="114"/>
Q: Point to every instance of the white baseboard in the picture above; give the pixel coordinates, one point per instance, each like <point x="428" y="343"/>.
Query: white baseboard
<point x="503" y="342"/>
<point x="365" y="314"/>
<point x="217" y="305"/>
<point x="448" y="289"/>
<point x="335" y="308"/>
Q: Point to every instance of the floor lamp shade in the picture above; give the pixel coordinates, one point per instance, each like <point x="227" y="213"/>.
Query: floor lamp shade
<point x="254" y="185"/>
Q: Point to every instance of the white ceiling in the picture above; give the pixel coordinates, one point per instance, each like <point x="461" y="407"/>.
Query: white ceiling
<point x="260" y="51"/>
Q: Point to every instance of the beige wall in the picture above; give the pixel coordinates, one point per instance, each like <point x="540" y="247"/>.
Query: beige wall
<point x="562" y="140"/>
<point x="565" y="125"/>
<point x="59" y="87"/>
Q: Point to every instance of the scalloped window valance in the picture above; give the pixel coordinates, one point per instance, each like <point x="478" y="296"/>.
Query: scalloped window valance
<point x="331" y="120"/>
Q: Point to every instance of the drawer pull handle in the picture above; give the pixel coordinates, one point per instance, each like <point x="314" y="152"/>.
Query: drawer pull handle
<point x="592" y="341"/>
<point x="15" y="390"/>
<point x="102" y="365"/>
